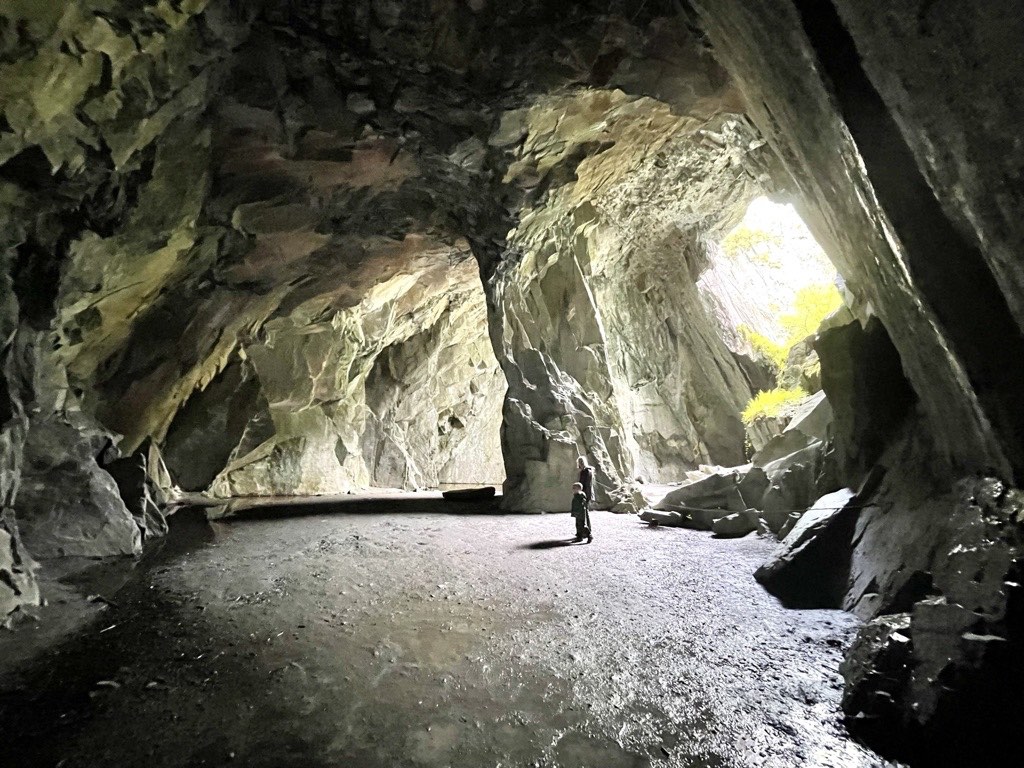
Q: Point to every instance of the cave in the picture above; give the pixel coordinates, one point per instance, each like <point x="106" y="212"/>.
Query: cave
<point x="311" y="308"/>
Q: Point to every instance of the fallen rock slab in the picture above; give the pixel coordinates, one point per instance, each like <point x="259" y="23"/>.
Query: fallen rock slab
<point x="811" y="566"/>
<point x="656" y="517"/>
<point x="729" y="490"/>
<point x="735" y="525"/>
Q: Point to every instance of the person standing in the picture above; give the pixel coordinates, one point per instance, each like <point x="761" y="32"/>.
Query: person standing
<point x="581" y="513"/>
<point x="586" y="479"/>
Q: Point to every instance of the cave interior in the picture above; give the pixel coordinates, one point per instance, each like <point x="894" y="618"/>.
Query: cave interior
<point x="309" y="248"/>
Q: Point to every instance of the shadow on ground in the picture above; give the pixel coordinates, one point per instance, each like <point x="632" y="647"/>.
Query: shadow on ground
<point x="553" y="544"/>
<point x="397" y="504"/>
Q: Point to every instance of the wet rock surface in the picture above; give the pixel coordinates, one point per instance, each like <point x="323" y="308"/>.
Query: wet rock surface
<point x="376" y="638"/>
<point x="960" y="628"/>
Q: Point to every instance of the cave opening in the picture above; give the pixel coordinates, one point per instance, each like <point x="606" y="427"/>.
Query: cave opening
<point x="770" y="285"/>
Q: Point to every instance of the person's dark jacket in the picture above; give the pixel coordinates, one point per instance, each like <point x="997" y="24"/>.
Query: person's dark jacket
<point x="579" y="504"/>
<point x="587" y="481"/>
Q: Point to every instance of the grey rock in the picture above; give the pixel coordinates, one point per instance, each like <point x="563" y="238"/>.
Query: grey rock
<point x="67" y="504"/>
<point x="792" y="491"/>
<point x="868" y="392"/>
<point x="877" y="668"/>
<point x="810" y="567"/>
<point x="735" y="525"/>
<point x="18" y="585"/>
<point x="139" y="490"/>
<point x="717" y="491"/>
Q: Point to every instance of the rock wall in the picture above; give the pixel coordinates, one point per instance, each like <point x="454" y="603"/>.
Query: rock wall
<point x="608" y="349"/>
<point x="793" y="107"/>
<point x="870" y="111"/>
<point x="400" y="391"/>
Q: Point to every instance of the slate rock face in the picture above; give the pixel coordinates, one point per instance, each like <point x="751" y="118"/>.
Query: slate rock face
<point x="135" y="477"/>
<point x="736" y="524"/>
<point x="962" y="635"/>
<point x="18" y="586"/>
<point x="877" y="668"/>
<point x="869" y="394"/>
<point x="67" y="504"/>
<point x="402" y="218"/>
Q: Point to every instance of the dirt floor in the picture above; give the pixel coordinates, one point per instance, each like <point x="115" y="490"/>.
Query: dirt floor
<point x="388" y="633"/>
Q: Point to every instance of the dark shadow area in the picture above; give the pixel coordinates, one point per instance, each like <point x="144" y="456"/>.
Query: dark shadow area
<point x="265" y="509"/>
<point x="552" y="544"/>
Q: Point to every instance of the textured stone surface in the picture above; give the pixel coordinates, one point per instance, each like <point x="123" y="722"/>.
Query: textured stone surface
<point x="736" y="524"/>
<point x="138" y="482"/>
<point x="780" y="74"/>
<point x="862" y="376"/>
<point x="18" y="586"/>
<point x="960" y="630"/>
<point x="67" y="504"/>
<point x="810" y="568"/>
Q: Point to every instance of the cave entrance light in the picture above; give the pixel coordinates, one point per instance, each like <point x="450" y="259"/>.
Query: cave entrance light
<point x="769" y="285"/>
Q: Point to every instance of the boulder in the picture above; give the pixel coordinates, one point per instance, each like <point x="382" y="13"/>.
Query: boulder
<point x="735" y="525"/>
<point x="730" y="490"/>
<point x="792" y="491"/>
<point x="811" y="566"/>
<point x="752" y="486"/>
<point x="67" y="504"/>
<point x="813" y="418"/>
<point x="877" y="667"/>
<point x="808" y="427"/>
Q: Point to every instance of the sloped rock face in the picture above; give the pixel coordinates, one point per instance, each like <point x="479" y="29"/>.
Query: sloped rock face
<point x="852" y="101"/>
<point x="577" y="351"/>
<point x="810" y="568"/>
<point x="18" y="586"/>
<point x="792" y="105"/>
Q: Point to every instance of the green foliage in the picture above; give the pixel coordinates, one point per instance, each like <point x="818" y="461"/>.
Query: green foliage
<point x="771" y="403"/>
<point x="764" y="347"/>
<point x="745" y="239"/>
<point x="810" y="306"/>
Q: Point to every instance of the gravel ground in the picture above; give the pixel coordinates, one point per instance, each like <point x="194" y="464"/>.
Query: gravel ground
<point x="383" y="632"/>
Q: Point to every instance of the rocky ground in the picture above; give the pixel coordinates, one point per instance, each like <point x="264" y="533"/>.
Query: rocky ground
<point x="383" y="632"/>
